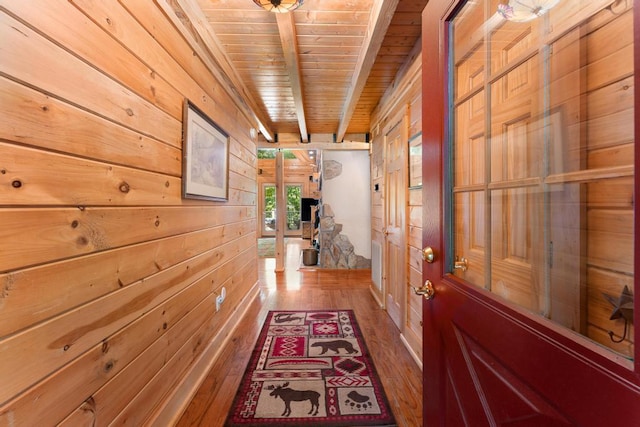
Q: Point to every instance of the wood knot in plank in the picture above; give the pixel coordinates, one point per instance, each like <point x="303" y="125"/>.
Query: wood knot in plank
<point x="124" y="187"/>
<point x="89" y="406"/>
<point x="108" y="366"/>
<point x="7" y="286"/>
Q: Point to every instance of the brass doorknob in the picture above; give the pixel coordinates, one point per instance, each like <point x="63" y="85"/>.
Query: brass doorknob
<point x="427" y="291"/>
<point x="427" y="254"/>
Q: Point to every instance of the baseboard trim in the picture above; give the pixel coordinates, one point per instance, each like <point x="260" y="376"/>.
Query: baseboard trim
<point x="376" y="297"/>
<point x="413" y="354"/>
<point x="175" y="405"/>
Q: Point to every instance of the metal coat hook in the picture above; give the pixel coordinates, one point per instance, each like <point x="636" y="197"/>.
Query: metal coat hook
<point x="624" y="333"/>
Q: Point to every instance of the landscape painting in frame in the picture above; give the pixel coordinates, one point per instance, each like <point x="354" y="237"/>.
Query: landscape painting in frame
<point x="205" y="168"/>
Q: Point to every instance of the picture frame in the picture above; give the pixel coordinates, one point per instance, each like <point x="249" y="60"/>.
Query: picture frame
<point x="415" y="161"/>
<point x="205" y="160"/>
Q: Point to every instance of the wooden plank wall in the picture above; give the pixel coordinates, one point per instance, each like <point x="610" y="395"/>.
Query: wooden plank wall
<point x="406" y="92"/>
<point x="609" y="147"/>
<point x="108" y="278"/>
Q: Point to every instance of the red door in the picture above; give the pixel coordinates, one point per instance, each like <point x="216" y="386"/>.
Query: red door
<point x="529" y="155"/>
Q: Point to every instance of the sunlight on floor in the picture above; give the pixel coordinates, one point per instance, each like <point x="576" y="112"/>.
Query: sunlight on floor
<point x="293" y="263"/>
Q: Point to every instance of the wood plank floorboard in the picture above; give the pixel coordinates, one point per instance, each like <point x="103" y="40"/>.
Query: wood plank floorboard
<point x="308" y="289"/>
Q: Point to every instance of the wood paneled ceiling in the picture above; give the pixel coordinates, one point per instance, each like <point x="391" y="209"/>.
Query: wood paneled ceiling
<point x="319" y="70"/>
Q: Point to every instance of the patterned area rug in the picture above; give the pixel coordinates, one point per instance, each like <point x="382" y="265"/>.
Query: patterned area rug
<point x="267" y="247"/>
<point x="310" y="368"/>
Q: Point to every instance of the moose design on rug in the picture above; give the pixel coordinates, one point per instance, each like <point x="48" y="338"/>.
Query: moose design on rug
<point x="289" y="395"/>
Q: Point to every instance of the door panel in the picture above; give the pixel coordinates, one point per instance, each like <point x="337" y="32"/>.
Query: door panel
<point x="529" y="170"/>
<point x="396" y="286"/>
<point x="498" y="394"/>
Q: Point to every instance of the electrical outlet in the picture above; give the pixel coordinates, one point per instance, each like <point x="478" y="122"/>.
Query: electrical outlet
<point x="220" y="298"/>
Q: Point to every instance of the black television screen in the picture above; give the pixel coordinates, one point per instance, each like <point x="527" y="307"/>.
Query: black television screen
<point x="305" y="208"/>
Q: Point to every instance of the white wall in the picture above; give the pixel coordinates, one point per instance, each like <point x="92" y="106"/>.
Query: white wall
<point x="349" y="195"/>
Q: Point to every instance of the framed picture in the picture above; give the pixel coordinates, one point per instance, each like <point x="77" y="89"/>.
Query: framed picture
<point x="205" y="162"/>
<point x="415" y="161"/>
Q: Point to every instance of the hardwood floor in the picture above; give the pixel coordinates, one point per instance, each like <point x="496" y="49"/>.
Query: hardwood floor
<point x="311" y="288"/>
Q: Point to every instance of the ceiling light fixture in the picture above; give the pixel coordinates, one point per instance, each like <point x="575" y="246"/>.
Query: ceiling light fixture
<point x="279" y="6"/>
<point x="525" y="10"/>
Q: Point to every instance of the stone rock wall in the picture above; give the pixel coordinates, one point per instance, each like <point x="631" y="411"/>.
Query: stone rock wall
<point x="336" y="251"/>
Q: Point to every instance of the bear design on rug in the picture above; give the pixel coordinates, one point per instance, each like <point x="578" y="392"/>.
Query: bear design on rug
<point x="335" y="346"/>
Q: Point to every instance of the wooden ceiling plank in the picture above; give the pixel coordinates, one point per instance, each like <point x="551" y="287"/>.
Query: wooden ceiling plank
<point x="381" y="16"/>
<point x="196" y="29"/>
<point x="323" y="28"/>
<point x="286" y="27"/>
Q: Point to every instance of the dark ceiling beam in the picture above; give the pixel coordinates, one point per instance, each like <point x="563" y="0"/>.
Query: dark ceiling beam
<point x="381" y="15"/>
<point x="287" y="30"/>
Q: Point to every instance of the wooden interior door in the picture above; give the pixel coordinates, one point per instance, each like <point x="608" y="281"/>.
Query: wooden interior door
<point x="529" y="130"/>
<point x="395" y="220"/>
